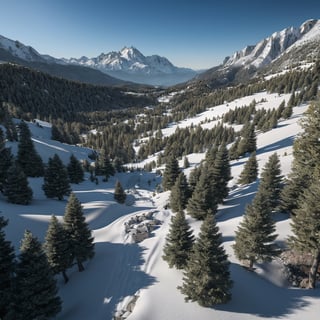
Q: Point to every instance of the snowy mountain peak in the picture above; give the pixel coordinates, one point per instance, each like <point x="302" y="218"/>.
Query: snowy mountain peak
<point x="270" y="48"/>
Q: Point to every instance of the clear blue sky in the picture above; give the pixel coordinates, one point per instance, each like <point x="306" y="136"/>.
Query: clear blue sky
<point x="190" y="33"/>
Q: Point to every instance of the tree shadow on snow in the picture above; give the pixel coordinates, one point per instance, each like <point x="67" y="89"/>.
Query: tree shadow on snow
<point x="252" y="294"/>
<point x="234" y="206"/>
<point x="113" y="274"/>
<point x="287" y="142"/>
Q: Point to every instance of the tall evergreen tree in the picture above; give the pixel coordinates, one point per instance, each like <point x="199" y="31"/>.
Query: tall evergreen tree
<point x="27" y="157"/>
<point x="306" y="152"/>
<point x="58" y="248"/>
<point x="35" y="286"/>
<point x="250" y="171"/>
<point x="248" y="142"/>
<point x="255" y="236"/>
<point x="56" y="181"/>
<point x="105" y="166"/>
<point x="6" y="160"/>
<point x="271" y="181"/>
<point x="7" y="268"/>
<point x="16" y="187"/>
<point x="179" y="193"/>
<point x="305" y="226"/>
<point x="194" y="178"/>
<point x="75" y="171"/>
<point x="207" y="276"/>
<point x="79" y="232"/>
<point x="119" y="194"/>
<point x="170" y="174"/>
<point x="179" y="242"/>
<point x="202" y="201"/>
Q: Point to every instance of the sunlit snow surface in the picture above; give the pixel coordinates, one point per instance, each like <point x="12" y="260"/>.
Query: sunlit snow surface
<point x="121" y="269"/>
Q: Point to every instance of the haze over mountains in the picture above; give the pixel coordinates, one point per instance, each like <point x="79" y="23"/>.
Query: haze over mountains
<point x="281" y="49"/>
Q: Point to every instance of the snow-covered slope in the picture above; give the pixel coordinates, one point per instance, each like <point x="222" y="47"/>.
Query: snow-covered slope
<point x="122" y="271"/>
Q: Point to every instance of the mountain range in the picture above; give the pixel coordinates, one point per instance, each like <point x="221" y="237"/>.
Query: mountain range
<point x="280" y="50"/>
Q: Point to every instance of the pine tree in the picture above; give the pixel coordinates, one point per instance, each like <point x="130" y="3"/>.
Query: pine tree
<point x="6" y="161"/>
<point x="207" y="276"/>
<point x="170" y="174"/>
<point x="79" y="232"/>
<point x="250" y="171"/>
<point x="305" y="226"/>
<point x="202" y="200"/>
<point x="56" y="181"/>
<point x="16" y="187"/>
<point x="194" y="178"/>
<point x="306" y="152"/>
<point x="119" y="194"/>
<point x="179" y="193"/>
<point x="27" y="157"/>
<point x="7" y="268"/>
<point x="186" y="163"/>
<point x="219" y="175"/>
<point x="75" y="171"/>
<point x="179" y="242"/>
<point x="105" y="166"/>
<point x="35" y="288"/>
<point x="248" y="142"/>
<point x="58" y="248"/>
<point x="271" y="181"/>
<point x="255" y="236"/>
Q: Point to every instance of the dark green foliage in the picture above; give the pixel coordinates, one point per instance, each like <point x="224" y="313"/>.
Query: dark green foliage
<point x="207" y="276"/>
<point x="255" y="236"/>
<point x="271" y="181"/>
<point x="186" y="163"/>
<point x="119" y="194"/>
<point x="180" y="193"/>
<point x="6" y="160"/>
<point x="287" y="112"/>
<point x="104" y="166"/>
<point x="7" y="268"/>
<point x="56" y="181"/>
<point x="194" y="178"/>
<point x="35" y="287"/>
<point x="58" y="248"/>
<point x="202" y="200"/>
<point x="306" y="152"/>
<point x="171" y="173"/>
<point x="248" y="141"/>
<point x="75" y="170"/>
<point x="179" y="242"/>
<point x="16" y="186"/>
<point x="27" y="157"/>
<point x="219" y="174"/>
<point x="250" y="171"/>
<point x="306" y="225"/>
<point x="79" y="232"/>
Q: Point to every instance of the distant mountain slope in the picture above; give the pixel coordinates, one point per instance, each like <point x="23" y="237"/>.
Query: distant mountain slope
<point x="113" y="68"/>
<point x="16" y="52"/>
<point x="130" y="64"/>
<point x="280" y="50"/>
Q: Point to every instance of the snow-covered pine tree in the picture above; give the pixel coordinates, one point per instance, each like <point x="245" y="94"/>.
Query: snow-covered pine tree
<point x="202" y="201"/>
<point x="79" y="232"/>
<point x="255" y="236"/>
<point x="271" y="181"/>
<point x="7" y="268"/>
<point x="306" y="228"/>
<point x="56" y="180"/>
<point x="170" y="174"/>
<point x="35" y="289"/>
<point x="58" y="248"/>
<point x="119" y="194"/>
<point x="179" y="242"/>
<point x="75" y="170"/>
<point x="16" y="186"/>
<point x="179" y="193"/>
<point x="250" y="171"/>
<point x="207" y="276"/>
<point x="27" y="157"/>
